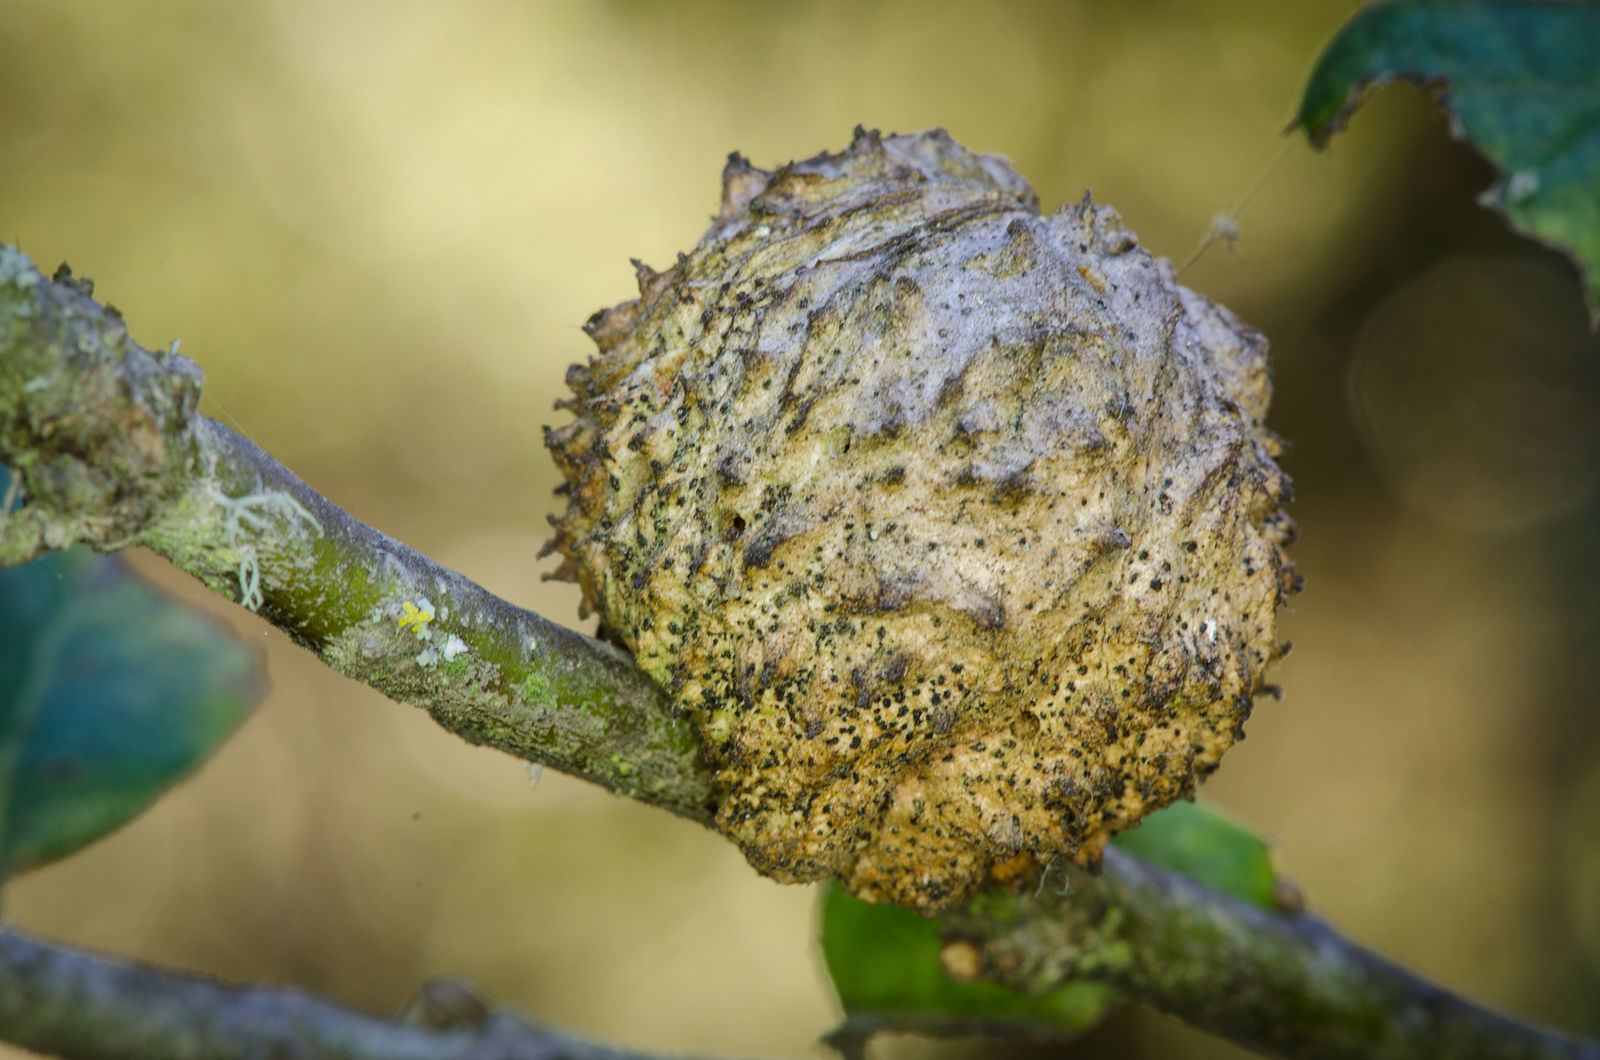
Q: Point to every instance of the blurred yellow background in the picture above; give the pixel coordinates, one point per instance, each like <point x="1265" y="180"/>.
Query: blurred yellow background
<point x="378" y="227"/>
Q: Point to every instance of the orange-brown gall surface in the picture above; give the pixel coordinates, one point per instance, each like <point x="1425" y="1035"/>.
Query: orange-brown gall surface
<point x="954" y="527"/>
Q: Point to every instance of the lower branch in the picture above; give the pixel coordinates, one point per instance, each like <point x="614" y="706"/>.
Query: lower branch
<point x="1287" y="984"/>
<point x="80" y="1006"/>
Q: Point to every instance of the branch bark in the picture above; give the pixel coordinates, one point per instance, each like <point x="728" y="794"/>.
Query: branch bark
<point x="106" y="442"/>
<point x="82" y="1006"/>
<point x="110" y="451"/>
<point x="1286" y="984"/>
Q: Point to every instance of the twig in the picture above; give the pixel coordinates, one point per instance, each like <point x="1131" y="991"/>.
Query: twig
<point x="105" y="439"/>
<point x="82" y="1006"/>
<point x="1287" y="984"/>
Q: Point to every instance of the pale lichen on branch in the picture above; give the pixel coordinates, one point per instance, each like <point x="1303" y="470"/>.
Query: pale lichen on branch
<point x="247" y="515"/>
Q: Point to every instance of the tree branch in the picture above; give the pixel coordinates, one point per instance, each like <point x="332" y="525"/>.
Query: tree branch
<point x="81" y="1006"/>
<point x="110" y="451"/>
<point x="106" y="442"/>
<point x="1287" y="984"/>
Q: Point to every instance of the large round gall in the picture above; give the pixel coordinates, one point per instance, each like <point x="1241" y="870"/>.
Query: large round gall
<point x="952" y="526"/>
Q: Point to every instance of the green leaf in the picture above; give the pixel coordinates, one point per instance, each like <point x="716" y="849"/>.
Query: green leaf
<point x="109" y="693"/>
<point x="884" y="960"/>
<point x="1521" y="82"/>
<point x="1205" y="846"/>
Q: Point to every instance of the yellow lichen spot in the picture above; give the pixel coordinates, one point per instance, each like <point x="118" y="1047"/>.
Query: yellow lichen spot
<point x="416" y="617"/>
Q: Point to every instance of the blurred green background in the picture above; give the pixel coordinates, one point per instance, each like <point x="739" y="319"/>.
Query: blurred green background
<point x="378" y="227"/>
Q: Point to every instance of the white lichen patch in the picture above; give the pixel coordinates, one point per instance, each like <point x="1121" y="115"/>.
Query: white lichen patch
<point x="415" y="615"/>
<point x="16" y="270"/>
<point x="1524" y="184"/>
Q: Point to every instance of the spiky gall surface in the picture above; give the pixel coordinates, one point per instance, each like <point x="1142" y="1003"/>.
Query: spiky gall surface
<point x="954" y="527"/>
